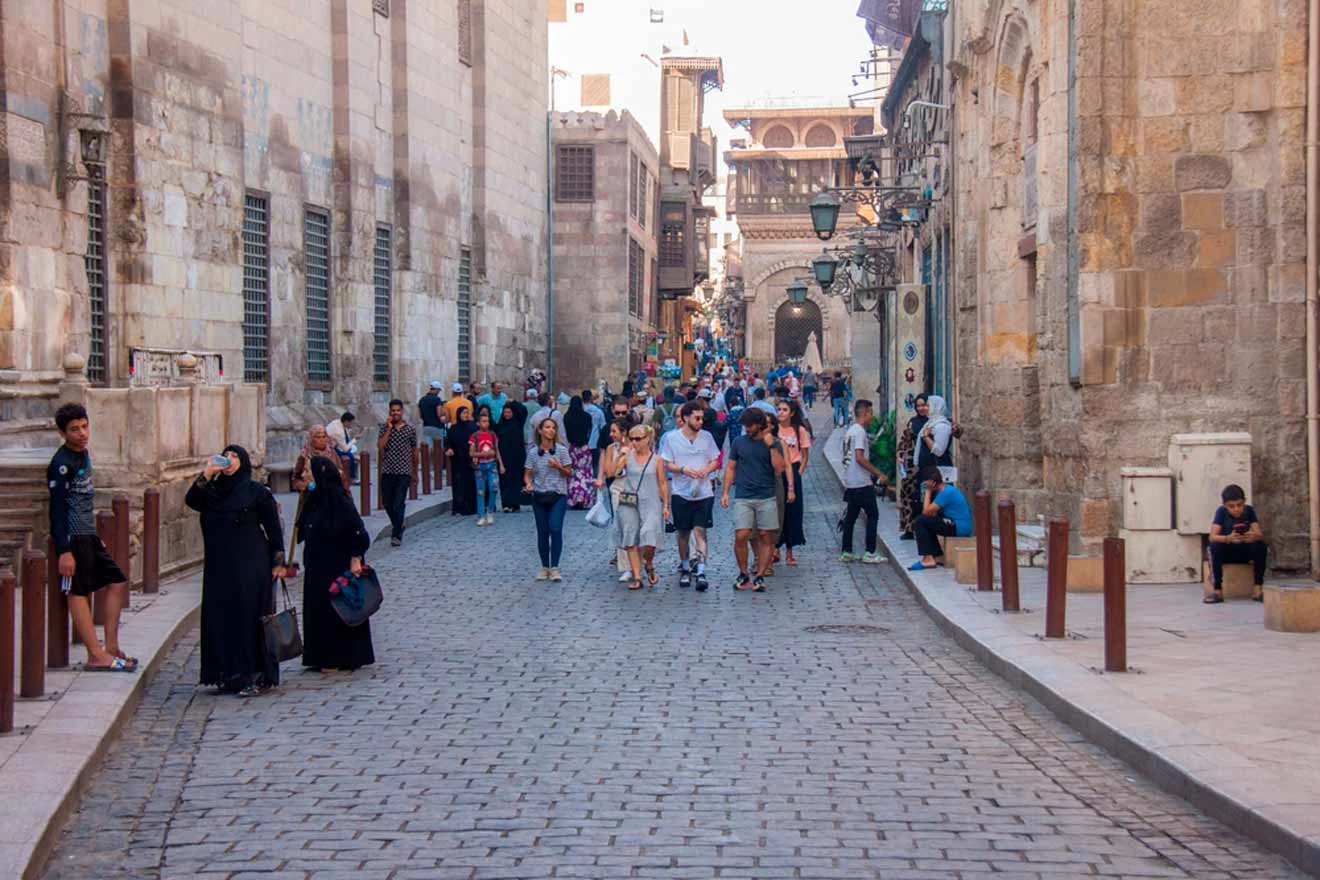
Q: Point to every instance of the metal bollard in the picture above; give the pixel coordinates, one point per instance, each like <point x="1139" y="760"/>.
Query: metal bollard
<point x="364" y="474"/>
<point x="33" y="667"/>
<point x="426" y="468"/>
<point x="57" y="612"/>
<point x="985" y="552"/>
<point x="380" y="496"/>
<point x="438" y="462"/>
<point x="1115" y="605"/>
<point x="1008" y="563"/>
<point x="105" y="530"/>
<point x="1056" y="594"/>
<point x="151" y="541"/>
<point x="7" y="652"/>
<point x="121" y="550"/>
<point x="413" y="477"/>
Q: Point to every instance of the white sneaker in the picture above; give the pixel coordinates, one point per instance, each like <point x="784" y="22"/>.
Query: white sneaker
<point x="543" y="575"/>
<point x="490" y="519"/>
<point x="555" y="576"/>
<point x="624" y="577"/>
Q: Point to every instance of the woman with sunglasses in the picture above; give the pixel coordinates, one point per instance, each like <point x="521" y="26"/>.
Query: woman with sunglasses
<point x="642" y="504"/>
<point x="545" y="479"/>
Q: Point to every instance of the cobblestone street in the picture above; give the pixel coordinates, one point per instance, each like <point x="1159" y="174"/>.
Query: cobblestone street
<point x="512" y="729"/>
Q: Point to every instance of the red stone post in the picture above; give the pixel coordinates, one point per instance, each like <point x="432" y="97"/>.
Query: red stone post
<point x="364" y="474"/>
<point x="380" y="496"/>
<point x="33" y="666"/>
<point x="438" y="462"/>
<point x="985" y="552"/>
<point x="57" y="612"/>
<point x="105" y="530"/>
<point x="6" y="652"/>
<point x="1115" y="605"/>
<point x="151" y="541"/>
<point x="121" y="549"/>
<point x="1056" y="595"/>
<point x="426" y="468"/>
<point x="414" y="477"/>
<point x="1008" y="561"/>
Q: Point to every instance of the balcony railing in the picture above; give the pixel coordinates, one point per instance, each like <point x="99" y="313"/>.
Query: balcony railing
<point x="774" y="203"/>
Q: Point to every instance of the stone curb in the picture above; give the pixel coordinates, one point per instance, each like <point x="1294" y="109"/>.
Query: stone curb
<point x="1294" y="845"/>
<point x="64" y="771"/>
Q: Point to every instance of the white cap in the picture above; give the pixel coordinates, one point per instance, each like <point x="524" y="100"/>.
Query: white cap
<point x="436" y="384"/>
<point x="457" y="387"/>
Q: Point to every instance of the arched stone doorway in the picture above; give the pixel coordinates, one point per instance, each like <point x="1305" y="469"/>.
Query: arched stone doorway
<point x="793" y="324"/>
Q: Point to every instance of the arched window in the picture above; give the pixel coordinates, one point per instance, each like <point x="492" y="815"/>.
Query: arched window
<point x="778" y="138"/>
<point x="794" y="325"/>
<point x="820" y="135"/>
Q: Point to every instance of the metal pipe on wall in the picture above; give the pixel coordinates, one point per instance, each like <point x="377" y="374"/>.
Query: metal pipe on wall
<point x="1312" y="267"/>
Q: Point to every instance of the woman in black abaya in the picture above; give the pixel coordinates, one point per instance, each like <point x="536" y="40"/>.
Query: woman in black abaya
<point x="334" y="541"/>
<point x="242" y="539"/>
<point x="513" y="452"/>
<point x="464" y="485"/>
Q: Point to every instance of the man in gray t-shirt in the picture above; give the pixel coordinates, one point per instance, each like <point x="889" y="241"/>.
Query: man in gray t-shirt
<point x="752" y="469"/>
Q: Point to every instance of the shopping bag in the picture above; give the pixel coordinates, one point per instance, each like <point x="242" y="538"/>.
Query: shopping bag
<point x="355" y="597"/>
<point x="601" y="514"/>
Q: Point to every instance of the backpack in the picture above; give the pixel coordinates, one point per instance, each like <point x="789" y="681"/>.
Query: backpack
<point x="670" y="422"/>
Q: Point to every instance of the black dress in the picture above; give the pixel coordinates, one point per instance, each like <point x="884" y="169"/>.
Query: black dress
<point x="242" y="537"/>
<point x="331" y="533"/>
<point x="513" y="451"/>
<point x="464" y="488"/>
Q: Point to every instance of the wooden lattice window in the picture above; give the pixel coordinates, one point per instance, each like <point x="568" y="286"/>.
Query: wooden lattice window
<point x="673" y="234"/>
<point x="636" y="277"/>
<point x="575" y="173"/>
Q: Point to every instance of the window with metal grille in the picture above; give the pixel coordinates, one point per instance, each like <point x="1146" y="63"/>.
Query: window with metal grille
<point x="465" y="32"/>
<point x="465" y="315"/>
<point x="256" y="288"/>
<point x="316" y="254"/>
<point x="673" y="228"/>
<point x="575" y="173"/>
<point x="635" y="277"/>
<point x="382" y="280"/>
<point x="95" y="263"/>
<point x="643" y="192"/>
<point x="634" y="184"/>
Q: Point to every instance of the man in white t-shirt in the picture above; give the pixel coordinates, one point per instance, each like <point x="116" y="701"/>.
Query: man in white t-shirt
<point x="691" y="456"/>
<point x="859" y="476"/>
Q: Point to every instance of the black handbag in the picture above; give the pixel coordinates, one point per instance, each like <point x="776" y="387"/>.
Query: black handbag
<point x="546" y="499"/>
<point x="283" y="640"/>
<point x="356" y="597"/>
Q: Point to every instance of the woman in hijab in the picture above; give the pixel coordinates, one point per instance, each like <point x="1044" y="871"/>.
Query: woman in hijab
<point x="318" y="446"/>
<point x="909" y="485"/>
<point x="513" y="452"/>
<point x="463" y="475"/>
<point x="577" y="428"/>
<point x="334" y="541"/>
<point x="934" y="446"/>
<point x="242" y="540"/>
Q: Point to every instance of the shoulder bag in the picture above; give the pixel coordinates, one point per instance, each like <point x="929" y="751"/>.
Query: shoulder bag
<point x="355" y="597"/>
<point x="283" y="640"/>
<point x="629" y="499"/>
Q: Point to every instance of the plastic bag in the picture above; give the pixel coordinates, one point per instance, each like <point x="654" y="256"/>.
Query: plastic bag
<point x="601" y="514"/>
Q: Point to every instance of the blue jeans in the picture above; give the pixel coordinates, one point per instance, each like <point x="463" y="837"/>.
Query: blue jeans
<point x="350" y="461"/>
<point x="809" y="395"/>
<point x="840" y="410"/>
<point x="550" y="530"/>
<point x="488" y="480"/>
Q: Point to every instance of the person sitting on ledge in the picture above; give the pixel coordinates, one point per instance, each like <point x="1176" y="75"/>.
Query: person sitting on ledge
<point x="944" y="512"/>
<point x="1235" y="537"/>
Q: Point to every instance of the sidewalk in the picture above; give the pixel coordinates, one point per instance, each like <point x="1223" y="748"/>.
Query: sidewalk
<point x="1217" y="709"/>
<point x="58" y="740"/>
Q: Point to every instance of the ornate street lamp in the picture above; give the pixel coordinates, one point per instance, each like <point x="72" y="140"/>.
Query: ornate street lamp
<point x="825" y="215"/>
<point x="797" y="292"/>
<point x="824" y="267"/>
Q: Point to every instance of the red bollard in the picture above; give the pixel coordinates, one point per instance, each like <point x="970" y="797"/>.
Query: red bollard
<point x="413" y="477"/>
<point x="1115" y="605"/>
<point x="6" y="652"/>
<point x="985" y="551"/>
<point x="105" y="530"/>
<point x="121" y="550"/>
<point x="426" y="468"/>
<point x="380" y="496"/>
<point x="33" y="667"/>
<point x="364" y="475"/>
<point x="151" y="541"/>
<point x="1008" y="563"/>
<point x="57" y="613"/>
<point x="1056" y="594"/>
<point x="438" y="462"/>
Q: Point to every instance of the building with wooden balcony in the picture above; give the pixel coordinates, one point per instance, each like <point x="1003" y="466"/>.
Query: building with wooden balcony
<point x="794" y="149"/>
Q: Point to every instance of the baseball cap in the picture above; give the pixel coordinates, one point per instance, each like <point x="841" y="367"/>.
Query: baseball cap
<point x="705" y="392"/>
<point x="436" y="384"/>
<point x="457" y="386"/>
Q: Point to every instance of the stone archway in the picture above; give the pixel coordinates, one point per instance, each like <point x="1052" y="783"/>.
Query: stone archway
<point x="794" y="323"/>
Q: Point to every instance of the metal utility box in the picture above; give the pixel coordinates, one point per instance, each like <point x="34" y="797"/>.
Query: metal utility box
<point x="1162" y="557"/>
<point x="1147" y="498"/>
<point x="1202" y="465"/>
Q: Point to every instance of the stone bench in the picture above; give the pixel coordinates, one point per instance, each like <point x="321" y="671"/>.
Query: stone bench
<point x="1290" y="608"/>
<point x="1086" y="574"/>
<point x="950" y="544"/>
<point x="279" y="474"/>
<point x="1239" y="580"/>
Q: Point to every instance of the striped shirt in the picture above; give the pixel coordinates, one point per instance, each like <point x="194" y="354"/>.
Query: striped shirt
<point x="544" y="477"/>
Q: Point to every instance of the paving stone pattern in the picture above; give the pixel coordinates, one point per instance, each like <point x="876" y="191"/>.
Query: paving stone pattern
<point x="512" y="729"/>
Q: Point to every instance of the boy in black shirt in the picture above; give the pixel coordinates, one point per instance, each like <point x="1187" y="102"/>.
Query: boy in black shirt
<point x="1235" y="537"/>
<point x="84" y="563"/>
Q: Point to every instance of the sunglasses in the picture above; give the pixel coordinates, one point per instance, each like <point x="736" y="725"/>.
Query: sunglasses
<point x="635" y="439"/>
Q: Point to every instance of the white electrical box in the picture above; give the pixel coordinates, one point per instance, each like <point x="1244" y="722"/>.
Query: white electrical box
<point x="1202" y="465"/>
<point x="1161" y="557"/>
<point x="1147" y="498"/>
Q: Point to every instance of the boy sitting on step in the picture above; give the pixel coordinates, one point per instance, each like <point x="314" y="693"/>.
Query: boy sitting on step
<point x="1235" y="537"/>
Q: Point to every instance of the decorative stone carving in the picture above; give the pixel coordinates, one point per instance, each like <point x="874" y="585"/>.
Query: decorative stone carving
<point x="75" y="369"/>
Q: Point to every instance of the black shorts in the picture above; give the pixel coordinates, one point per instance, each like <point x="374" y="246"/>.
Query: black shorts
<point x="689" y="515"/>
<point x="94" y="566"/>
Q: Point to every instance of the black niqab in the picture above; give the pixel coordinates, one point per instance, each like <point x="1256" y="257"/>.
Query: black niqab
<point x="229" y="493"/>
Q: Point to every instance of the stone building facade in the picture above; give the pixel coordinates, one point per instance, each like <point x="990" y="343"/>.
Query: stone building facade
<point x="339" y="201"/>
<point x="1128" y="245"/>
<point x="792" y="151"/>
<point x="604" y="217"/>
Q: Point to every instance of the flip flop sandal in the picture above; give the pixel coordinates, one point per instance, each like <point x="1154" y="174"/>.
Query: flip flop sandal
<point x="1212" y="599"/>
<point x="116" y="665"/>
<point x="131" y="661"/>
<point x="651" y="577"/>
<point x="636" y="584"/>
<point x="919" y="566"/>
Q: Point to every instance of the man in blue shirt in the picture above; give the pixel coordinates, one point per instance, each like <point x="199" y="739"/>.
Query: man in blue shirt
<point x="496" y="400"/>
<point x="944" y="512"/>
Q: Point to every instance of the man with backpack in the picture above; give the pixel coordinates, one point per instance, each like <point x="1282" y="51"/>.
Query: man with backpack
<point x="665" y="417"/>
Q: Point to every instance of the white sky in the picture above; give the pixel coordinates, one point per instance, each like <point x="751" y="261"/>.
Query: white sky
<point x="771" y="48"/>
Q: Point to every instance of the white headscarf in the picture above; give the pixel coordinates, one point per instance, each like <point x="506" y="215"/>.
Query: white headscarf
<point x="941" y="429"/>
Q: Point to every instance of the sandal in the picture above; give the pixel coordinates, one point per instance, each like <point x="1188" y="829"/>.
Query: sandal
<point x="131" y="661"/>
<point x="651" y="577"/>
<point x="636" y="584"/>
<point x="117" y="664"/>
<point x="1213" y="599"/>
<point x="792" y="560"/>
<point x="1259" y="597"/>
